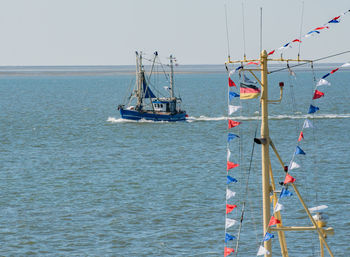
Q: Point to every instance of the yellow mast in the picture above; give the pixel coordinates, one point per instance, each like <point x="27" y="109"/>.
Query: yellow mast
<point x="268" y="184"/>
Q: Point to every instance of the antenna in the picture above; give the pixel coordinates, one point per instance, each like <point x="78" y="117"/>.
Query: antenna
<point x="243" y="31"/>
<point x="301" y="26"/>
<point x="228" y="42"/>
<point x="261" y="28"/>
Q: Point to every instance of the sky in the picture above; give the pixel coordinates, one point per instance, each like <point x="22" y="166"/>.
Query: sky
<point x="108" y="32"/>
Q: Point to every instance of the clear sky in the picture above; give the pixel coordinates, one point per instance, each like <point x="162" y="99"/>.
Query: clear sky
<point x="107" y="32"/>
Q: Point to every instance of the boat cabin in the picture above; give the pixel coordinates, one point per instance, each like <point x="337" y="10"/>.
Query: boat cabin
<point x="162" y="105"/>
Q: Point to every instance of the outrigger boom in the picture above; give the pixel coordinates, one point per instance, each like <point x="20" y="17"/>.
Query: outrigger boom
<point x="268" y="184"/>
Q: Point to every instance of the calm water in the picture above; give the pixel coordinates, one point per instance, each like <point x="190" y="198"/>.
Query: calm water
<point x="77" y="181"/>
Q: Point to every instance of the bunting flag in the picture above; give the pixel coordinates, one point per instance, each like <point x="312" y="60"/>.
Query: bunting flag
<point x="311" y="33"/>
<point x="249" y="91"/>
<point x="278" y="207"/>
<point x="313" y="109"/>
<point x="232" y="123"/>
<point x="289" y="179"/>
<point x="301" y="136"/>
<point x="325" y="76"/>
<point x="334" y="70"/>
<point x="230" y="207"/>
<point x="230" y="223"/>
<point x="255" y="63"/>
<point x="272" y="52"/>
<point x="262" y="251"/>
<point x="285" y="193"/>
<point x="320" y="28"/>
<point x="229" y="194"/>
<point x="229" y="237"/>
<point x="268" y="236"/>
<point x="273" y="221"/>
<point x="323" y="82"/>
<point x="334" y="20"/>
<point x="228" y="154"/>
<point x="232" y="95"/>
<point x="231" y="136"/>
<point x="230" y="180"/>
<point x="307" y="124"/>
<point x="298" y="150"/>
<point x="232" y="109"/>
<point x="317" y="94"/>
<point x="345" y="64"/>
<point x="293" y="166"/>
<point x="231" y="165"/>
<point x="228" y="251"/>
<point x="231" y="83"/>
<point x="296" y="40"/>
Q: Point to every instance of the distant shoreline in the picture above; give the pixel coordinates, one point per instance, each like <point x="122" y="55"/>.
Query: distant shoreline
<point x="116" y="70"/>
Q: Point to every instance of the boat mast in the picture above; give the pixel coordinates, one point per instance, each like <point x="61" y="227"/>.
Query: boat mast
<point x="171" y="77"/>
<point x="265" y="156"/>
<point x="139" y="79"/>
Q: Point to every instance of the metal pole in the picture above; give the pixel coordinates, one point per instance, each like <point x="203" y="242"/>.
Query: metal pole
<point x="171" y="77"/>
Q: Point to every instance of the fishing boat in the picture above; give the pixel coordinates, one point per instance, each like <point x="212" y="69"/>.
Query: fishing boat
<point x="144" y="104"/>
<point x="273" y="191"/>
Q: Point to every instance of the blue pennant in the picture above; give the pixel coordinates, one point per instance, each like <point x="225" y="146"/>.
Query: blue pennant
<point x="230" y="179"/>
<point x="231" y="136"/>
<point x="233" y="95"/>
<point x="285" y="193"/>
<point x="228" y="237"/>
<point x="325" y="76"/>
<point x="298" y="150"/>
<point x="313" y="109"/>
<point x="268" y="236"/>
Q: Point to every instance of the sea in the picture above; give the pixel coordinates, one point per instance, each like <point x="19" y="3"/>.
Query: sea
<point x="77" y="180"/>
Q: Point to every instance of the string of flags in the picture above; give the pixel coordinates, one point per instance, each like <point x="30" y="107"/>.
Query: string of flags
<point x="313" y="32"/>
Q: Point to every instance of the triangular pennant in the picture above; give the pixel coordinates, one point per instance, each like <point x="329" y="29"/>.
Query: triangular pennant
<point x="317" y="94"/>
<point x="272" y="52"/>
<point x="231" y="165"/>
<point x="298" y="150"/>
<point x="232" y="95"/>
<point x="232" y="123"/>
<point x="231" y="83"/>
<point x="323" y="82"/>
<point x="230" y="180"/>
<point x="285" y="193"/>
<point x="293" y="165"/>
<point x="231" y="136"/>
<point x="230" y="222"/>
<point x="301" y="136"/>
<point x="307" y="124"/>
<point x="229" y="194"/>
<point x="313" y="109"/>
<point x="268" y="236"/>
<point x="230" y="207"/>
<point x="228" y="251"/>
<point x="262" y="251"/>
<point x="334" y="70"/>
<point x="289" y="179"/>
<point x="278" y="207"/>
<point x="232" y="109"/>
<point x="228" y="154"/>
<point x="229" y="237"/>
<point x="273" y="221"/>
<point x="346" y="64"/>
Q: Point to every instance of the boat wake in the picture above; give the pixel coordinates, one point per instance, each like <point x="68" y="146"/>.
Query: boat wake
<point x="272" y="117"/>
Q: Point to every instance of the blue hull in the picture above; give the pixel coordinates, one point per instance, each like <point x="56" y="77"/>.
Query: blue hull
<point x="135" y="115"/>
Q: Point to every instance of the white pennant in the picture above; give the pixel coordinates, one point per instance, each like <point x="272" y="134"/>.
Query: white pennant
<point x="307" y="124"/>
<point x="346" y="64"/>
<point x="318" y="208"/>
<point x="294" y="165"/>
<point x="230" y="223"/>
<point x="230" y="194"/>
<point x="262" y="251"/>
<point x="323" y="82"/>
<point x="228" y="154"/>
<point x="231" y="72"/>
<point x="232" y="109"/>
<point x="278" y="207"/>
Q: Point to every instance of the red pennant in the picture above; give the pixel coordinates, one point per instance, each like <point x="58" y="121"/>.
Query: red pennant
<point x="319" y="28"/>
<point x="232" y="123"/>
<point x="249" y="63"/>
<point x="230" y="207"/>
<point x="228" y="251"/>
<point x="296" y="40"/>
<point x="231" y="165"/>
<point x="334" y="70"/>
<point x="318" y="94"/>
<point x="301" y="136"/>
<point x="289" y="179"/>
<point x="272" y="52"/>
<point x="231" y="83"/>
<point x="273" y="221"/>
